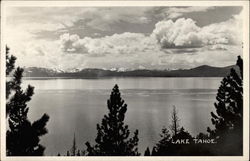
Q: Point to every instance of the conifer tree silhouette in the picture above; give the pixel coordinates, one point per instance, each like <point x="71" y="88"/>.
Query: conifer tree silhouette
<point x="182" y="134"/>
<point x="74" y="148"/>
<point x="10" y="61"/>
<point x="10" y="65"/>
<point x="154" y="153"/>
<point x="112" y="136"/>
<point x="167" y="146"/>
<point x="78" y="153"/>
<point x="228" y="120"/>
<point x="174" y="127"/>
<point x="74" y="151"/>
<point x="22" y="138"/>
<point x="162" y="146"/>
<point x="147" y="152"/>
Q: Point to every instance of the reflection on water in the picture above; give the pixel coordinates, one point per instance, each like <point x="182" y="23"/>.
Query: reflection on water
<point x="77" y="105"/>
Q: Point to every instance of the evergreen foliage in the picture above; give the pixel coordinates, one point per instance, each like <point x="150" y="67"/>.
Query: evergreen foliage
<point x="74" y="148"/>
<point x="228" y="120"/>
<point x="147" y="152"/>
<point x="22" y="138"/>
<point x="154" y="153"/>
<point x="162" y="146"/>
<point x="74" y="151"/>
<point x="170" y="145"/>
<point x="10" y="65"/>
<point x="167" y="146"/>
<point x="78" y="153"/>
<point x="175" y="127"/>
<point x="10" y="61"/>
<point x="113" y="135"/>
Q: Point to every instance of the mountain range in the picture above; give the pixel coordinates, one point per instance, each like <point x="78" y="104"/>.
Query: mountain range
<point x="201" y="71"/>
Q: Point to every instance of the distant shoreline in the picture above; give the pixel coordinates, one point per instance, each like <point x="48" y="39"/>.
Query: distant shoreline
<point x="41" y="78"/>
<point x="201" y="71"/>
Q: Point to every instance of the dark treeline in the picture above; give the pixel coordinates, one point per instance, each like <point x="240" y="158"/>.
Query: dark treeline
<point x="113" y="136"/>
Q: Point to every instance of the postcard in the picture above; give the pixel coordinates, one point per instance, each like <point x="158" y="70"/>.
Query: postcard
<point x="124" y="80"/>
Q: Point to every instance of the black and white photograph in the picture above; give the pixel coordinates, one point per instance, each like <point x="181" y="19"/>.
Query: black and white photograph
<point x="128" y="79"/>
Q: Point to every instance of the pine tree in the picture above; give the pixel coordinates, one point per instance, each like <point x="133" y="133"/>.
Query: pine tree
<point x="147" y="152"/>
<point x="228" y="120"/>
<point x="182" y="134"/>
<point x="162" y="146"/>
<point x="74" y="148"/>
<point x="182" y="149"/>
<point x="112" y="136"/>
<point x="154" y="153"/>
<point x="175" y="122"/>
<point x="82" y="153"/>
<point x="74" y="151"/>
<point x="22" y="138"/>
<point x="10" y="61"/>
<point x="78" y="153"/>
<point x="10" y="65"/>
<point x="166" y="146"/>
<point x="239" y="63"/>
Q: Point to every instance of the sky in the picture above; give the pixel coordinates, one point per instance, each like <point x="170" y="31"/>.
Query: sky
<point x="124" y="38"/>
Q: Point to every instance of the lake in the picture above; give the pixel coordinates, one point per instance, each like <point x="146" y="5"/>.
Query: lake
<point x="77" y="105"/>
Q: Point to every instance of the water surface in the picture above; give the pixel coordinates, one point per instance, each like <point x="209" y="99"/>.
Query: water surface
<point x="77" y="105"/>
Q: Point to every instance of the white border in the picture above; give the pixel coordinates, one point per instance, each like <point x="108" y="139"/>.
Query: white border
<point x="245" y="4"/>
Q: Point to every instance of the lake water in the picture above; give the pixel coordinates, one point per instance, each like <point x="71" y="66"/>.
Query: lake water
<point x="77" y="105"/>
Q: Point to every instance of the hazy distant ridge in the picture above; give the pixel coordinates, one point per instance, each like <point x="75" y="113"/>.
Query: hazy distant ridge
<point x="201" y="71"/>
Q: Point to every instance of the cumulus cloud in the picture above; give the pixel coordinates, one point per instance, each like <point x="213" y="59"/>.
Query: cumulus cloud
<point x="71" y="44"/>
<point x="228" y="32"/>
<point x="179" y="43"/>
<point x="125" y="43"/>
<point x="184" y="33"/>
<point x="181" y="33"/>
<point x="183" y="42"/>
<point x="46" y="54"/>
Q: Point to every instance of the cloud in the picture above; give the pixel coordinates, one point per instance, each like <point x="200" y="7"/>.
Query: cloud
<point x="184" y="33"/>
<point x="75" y="20"/>
<point x="71" y="44"/>
<point x="175" y="12"/>
<point x="202" y="56"/>
<point x="117" y="44"/>
<point x="218" y="47"/>
<point x="179" y="43"/>
<point x="104" y="18"/>
<point x="58" y="15"/>
<point x="46" y="54"/>
<point x="172" y="44"/>
<point x="181" y="33"/>
<point x="227" y="32"/>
